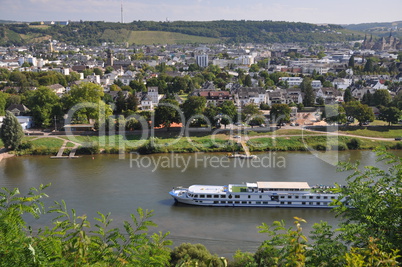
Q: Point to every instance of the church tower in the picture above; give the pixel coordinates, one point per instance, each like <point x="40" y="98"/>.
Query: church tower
<point x="109" y="61"/>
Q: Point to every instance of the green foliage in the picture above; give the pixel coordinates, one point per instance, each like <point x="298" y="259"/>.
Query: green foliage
<point x="381" y="97"/>
<point x="44" y="105"/>
<point x="149" y="32"/>
<point x="326" y="250"/>
<point x="334" y="114"/>
<point x="284" y="246"/>
<point x="72" y="241"/>
<point x="249" y="111"/>
<point x="280" y="113"/>
<point x="309" y="95"/>
<point x="11" y="132"/>
<point x="87" y="99"/>
<point x="166" y="113"/>
<point x="354" y="144"/>
<point x="187" y="254"/>
<point x="390" y="114"/>
<point x="194" y="106"/>
<point x="373" y="205"/>
<point x="3" y="102"/>
<point x="356" y="110"/>
<point x="371" y="255"/>
<point x="347" y="97"/>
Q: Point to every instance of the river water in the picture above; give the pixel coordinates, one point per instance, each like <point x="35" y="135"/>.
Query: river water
<point x="108" y="183"/>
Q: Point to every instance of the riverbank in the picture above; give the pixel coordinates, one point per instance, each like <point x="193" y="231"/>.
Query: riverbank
<point x="173" y="142"/>
<point x="4" y="154"/>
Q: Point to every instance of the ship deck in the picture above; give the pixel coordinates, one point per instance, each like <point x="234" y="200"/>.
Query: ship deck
<point x="207" y="189"/>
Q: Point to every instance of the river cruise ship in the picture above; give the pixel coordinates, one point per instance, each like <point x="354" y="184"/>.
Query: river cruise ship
<point x="258" y="194"/>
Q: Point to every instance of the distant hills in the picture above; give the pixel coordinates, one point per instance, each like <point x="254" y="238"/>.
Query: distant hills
<point x="150" y="32"/>
<point x="381" y="29"/>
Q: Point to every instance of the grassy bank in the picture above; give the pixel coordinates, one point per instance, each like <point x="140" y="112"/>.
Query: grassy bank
<point x="165" y="142"/>
<point x="379" y="132"/>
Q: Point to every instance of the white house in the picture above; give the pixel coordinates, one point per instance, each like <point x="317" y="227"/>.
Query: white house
<point x="25" y="121"/>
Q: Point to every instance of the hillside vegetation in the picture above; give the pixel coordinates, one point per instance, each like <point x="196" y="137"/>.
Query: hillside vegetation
<point x="146" y="32"/>
<point x="381" y="29"/>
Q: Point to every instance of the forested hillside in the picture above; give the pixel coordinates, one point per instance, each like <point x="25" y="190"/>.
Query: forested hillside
<point x="93" y="33"/>
<point x="381" y="29"/>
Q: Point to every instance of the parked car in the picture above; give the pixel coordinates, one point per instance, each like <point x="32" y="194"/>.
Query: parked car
<point x="398" y="138"/>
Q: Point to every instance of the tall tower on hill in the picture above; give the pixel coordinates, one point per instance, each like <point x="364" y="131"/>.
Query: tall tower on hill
<point x="122" y="18"/>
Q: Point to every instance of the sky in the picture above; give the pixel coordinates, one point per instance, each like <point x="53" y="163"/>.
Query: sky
<point x="311" y="11"/>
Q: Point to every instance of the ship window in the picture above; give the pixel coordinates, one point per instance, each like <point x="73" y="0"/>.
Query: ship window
<point x="296" y="196"/>
<point x="216" y="196"/>
<point x="303" y="197"/>
<point x="318" y="203"/>
<point x="311" y="203"/>
<point x="282" y="196"/>
<point x="265" y="202"/>
<point x="303" y="203"/>
<point x="248" y="196"/>
<point x="258" y="202"/>
<point x="310" y="197"/>
<point x="332" y="197"/>
<point x="289" y="203"/>
<point x="260" y="196"/>
<point x="237" y="202"/>
<point x="282" y="202"/>
<point x="325" y="197"/>
<point x="222" y="196"/>
<point x="230" y="202"/>
<point x="230" y="196"/>
<point x="237" y="196"/>
<point x="216" y="202"/>
<point x="195" y="195"/>
<point x="244" y="202"/>
<point x="209" y="196"/>
<point x="202" y="196"/>
<point x="289" y="196"/>
<point x="318" y="197"/>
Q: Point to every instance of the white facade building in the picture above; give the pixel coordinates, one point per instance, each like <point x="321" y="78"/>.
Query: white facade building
<point x="202" y="60"/>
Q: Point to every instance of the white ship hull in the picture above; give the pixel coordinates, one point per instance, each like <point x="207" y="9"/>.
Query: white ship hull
<point x="284" y="194"/>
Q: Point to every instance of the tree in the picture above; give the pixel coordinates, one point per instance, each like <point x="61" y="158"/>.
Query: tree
<point x="368" y="98"/>
<point x="121" y="104"/>
<point x="334" y="114"/>
<point x="72" y="240"/>
<point x="247" y="81"/>
<point x="193" y="106"/>
<point x="166" y="113"/>
<point x="3" y="103"/>
<point x="284" y="246"/>
<point x="361" y="112"/>
<point x="390" y="114"/>
<point x="366" y="203"/>
<point x="280" y="113"/>
<point x="369" y="66"/>
<point x="381" y="97"/>
<point x="11" y="132"/>
<point x="44" y="105"/>
<point x="309" y="95"/>
<point x="187" y="254"/>
<point x="137" y="86"/>
<point x="347" y="95"/>
<point x="229" y="112"/>
<point x="132" y="103"/>
<point x="249" y="111"/>
<point x="86" y="95"/>
<point x="351" y="63"/>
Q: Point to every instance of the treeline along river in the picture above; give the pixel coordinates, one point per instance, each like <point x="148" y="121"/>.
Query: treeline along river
<point x="108" y="183"/>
